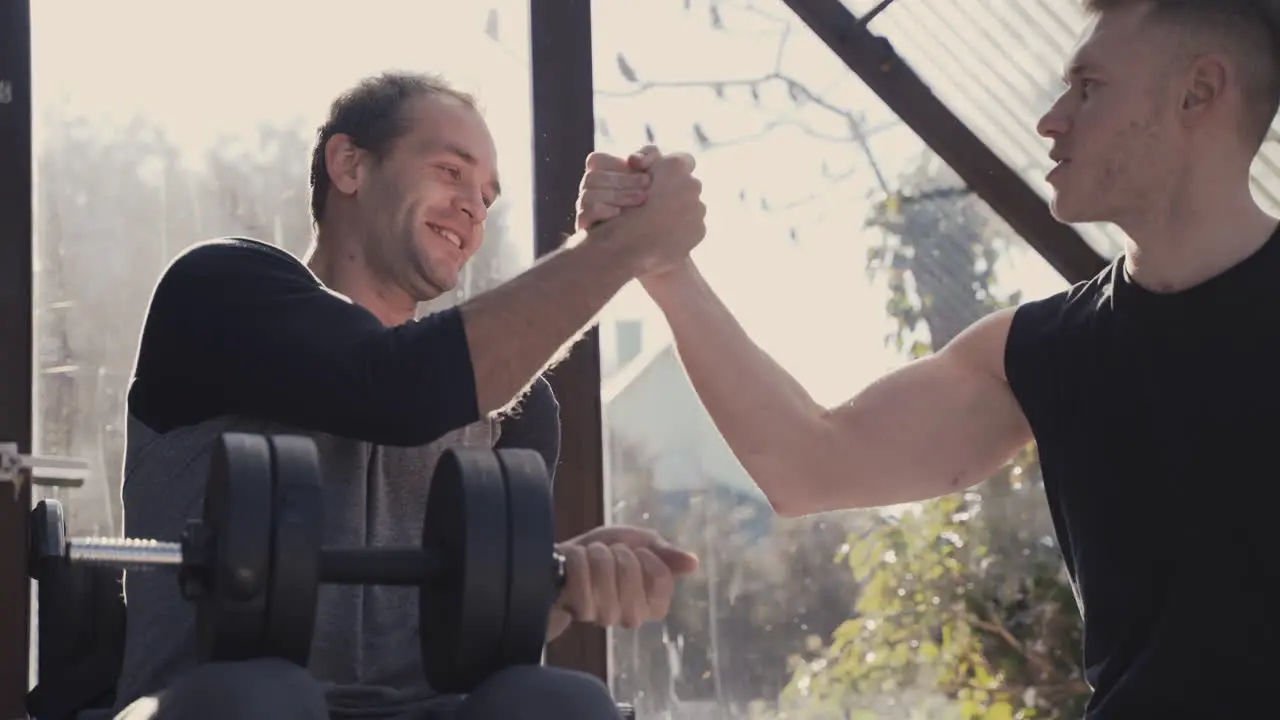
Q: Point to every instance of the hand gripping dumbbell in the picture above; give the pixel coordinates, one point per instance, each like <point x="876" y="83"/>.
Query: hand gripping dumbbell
<point x="486" y="571"/>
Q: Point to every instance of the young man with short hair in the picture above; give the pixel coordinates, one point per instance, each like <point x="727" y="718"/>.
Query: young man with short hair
<point x="1149" y="390"/>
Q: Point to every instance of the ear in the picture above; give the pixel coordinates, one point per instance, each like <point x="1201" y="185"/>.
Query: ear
<point x="342" y="161"/>
<point x="1207" y="80"/>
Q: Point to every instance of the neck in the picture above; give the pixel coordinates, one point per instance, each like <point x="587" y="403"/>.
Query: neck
<point x="337" y="260"/>
<point x="1198" y="233"/>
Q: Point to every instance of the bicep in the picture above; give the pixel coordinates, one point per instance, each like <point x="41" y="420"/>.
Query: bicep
<point x="248" y="333"/>
<point x="934" y="426"/>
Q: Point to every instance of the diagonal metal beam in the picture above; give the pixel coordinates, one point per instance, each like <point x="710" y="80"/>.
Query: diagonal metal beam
<point x="874" y="60"/>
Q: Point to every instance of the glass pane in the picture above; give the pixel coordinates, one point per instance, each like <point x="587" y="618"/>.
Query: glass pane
<point x="160" y="125"/>
<point x="846" y="249"/>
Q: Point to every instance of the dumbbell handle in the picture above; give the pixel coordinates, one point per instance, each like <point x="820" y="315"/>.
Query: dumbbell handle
<point x="393" y="566"/>
<point x="343" y="566"/>
<point x="126" y="553"/>
<point x="378" y="566"/>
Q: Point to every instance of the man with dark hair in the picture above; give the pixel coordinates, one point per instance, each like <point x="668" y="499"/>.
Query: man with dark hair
<point x="240" y="335"/>
<point x="1148" y="389"/>
<point x="368" y="113"/>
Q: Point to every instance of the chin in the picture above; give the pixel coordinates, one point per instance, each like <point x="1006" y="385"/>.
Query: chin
<point x="431" y="273"/>
<point x="1066" y="211"/>
<point x="436" y="283"/>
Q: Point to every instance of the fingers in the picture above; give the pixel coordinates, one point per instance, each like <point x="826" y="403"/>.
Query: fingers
<point x="576" y="597"/>
<point x="678" y="561"/>
<point x="607" y="188"/>
<point x="629" y="586"/>
<point x="605" y="161"/>
<point x="595" y="206"/>
<point x="659" y="583"/>
<point x="644" y="158"/>
<point x="622" y="578"/>
<point x="592" y="591"/>
<point x="641" y="159"/>
<point x="633" y="601"/>
<point x="604" y="583"/>
<point x="612" y="197"/>
<point x="684" y="162"/>
<point x="593" y="209"/>
<point x="615" y="180"/>
<point x="667" y="197"/>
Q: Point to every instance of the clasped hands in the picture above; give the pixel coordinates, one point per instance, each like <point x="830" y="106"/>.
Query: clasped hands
<point x="655" y="202"/>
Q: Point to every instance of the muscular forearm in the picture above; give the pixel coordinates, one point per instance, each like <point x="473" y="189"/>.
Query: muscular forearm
<point x="768" y="419"/>
<point x="520" y="328"/>
<point x="961" y="418"/>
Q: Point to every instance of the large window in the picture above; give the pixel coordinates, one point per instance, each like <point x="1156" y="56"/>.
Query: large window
<point x="159" y="125"/>
<point x="846" y="249"/>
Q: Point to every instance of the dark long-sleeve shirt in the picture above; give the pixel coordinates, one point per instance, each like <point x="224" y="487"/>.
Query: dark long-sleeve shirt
<point x="240" y="335"/>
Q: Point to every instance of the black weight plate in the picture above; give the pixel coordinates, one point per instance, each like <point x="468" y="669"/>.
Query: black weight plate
<point x="46" y="539"/>
<point x="231" y="614"/>
<point x="531" y="585"/>
<point x="463" y="607"/>
<point x="295" y="549"/>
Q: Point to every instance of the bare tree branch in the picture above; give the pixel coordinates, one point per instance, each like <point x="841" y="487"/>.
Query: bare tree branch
<point x="782" y="48"/>
<point x="798" y="91"/>
<point x="1045" y="668"/>
<point x="643" y="86"/>
<point x="836" y="182"/>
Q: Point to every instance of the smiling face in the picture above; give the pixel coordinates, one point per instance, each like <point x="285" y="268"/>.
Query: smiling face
<point x="1116" y="140"/>
<point x="422" y="206"/>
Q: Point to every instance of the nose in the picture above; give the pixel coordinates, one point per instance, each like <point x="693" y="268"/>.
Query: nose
<point x="472" y="204"/>
<point x="1054" y="123"/>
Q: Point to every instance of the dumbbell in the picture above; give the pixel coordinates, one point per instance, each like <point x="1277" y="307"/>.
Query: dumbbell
<point x="486" y="570"/>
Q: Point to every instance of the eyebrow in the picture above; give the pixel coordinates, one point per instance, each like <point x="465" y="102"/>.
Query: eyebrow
<point x="467" y="157"/>
<point x="1078" y="68"/>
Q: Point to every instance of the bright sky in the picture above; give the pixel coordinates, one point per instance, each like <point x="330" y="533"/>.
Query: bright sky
<point x="201" y="69"/>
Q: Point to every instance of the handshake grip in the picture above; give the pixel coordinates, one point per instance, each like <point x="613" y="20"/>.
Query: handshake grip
<point x="672" y="221"/>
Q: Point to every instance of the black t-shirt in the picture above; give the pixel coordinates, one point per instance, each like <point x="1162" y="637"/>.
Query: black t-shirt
<point x="240" y="327"/>
<point x="1154" y="414"/>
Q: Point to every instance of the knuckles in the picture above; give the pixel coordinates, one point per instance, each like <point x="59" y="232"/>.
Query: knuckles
<point x="604" y="161"/>
<point x="674" y="193"/>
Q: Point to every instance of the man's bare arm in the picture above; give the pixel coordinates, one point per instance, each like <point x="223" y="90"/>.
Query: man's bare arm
<point x="522" y="327"/>
<point x="255" y="334"/>
<point x="935" y="426"/>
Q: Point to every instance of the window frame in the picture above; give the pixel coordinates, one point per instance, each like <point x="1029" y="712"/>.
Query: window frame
<point x="17" y="386"/>
<point x="563" y="136"/>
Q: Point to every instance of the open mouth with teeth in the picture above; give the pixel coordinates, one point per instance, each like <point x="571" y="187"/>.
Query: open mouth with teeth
<point x="447" y="234"/>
